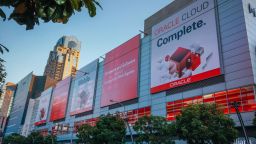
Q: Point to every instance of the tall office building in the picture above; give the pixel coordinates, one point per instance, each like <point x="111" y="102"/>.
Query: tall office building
<point x="63" y="60"/>
<point x="30" y="86"/>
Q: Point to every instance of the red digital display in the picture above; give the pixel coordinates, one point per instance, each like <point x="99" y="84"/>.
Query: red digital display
<point x="60" y="98"/>
<point x="120" y="80"/>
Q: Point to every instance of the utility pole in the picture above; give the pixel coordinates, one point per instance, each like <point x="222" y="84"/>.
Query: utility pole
<point x="236" y="105"/>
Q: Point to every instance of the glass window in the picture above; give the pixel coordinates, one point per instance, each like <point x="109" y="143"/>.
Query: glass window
<point x="243" y="95"/>
<point x="209" y="98"/>
<point x="248" y="99"/>
<point x="234" y="96"/>
<point x="221" y="101"/>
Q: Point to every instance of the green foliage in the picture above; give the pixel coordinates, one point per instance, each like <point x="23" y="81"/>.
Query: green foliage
<point x="2" y="73"/>
<point x="154" y="130"/>
<point x="2" y="14"/>
<point x="111" y="129"/>
<point x="2" y="67"/>
<point x="35" y="138"/>
<point x="50" y="139"/>
<point x="108" y="130"/>
<point x="14" y="139"/>
<point x="87" y="134"/>
<point x="2" y="47"/>
<point x="29" y="12"/>
<point x="254" y="121"/>
<point x="205" y="123"/>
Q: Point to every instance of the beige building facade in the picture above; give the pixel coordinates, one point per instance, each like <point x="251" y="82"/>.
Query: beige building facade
<point x="63" y="60"/>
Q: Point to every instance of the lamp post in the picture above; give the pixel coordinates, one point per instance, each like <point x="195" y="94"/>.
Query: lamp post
<point x="71" y="140"/>
<point x="84" y="73"/>
<point x="236" y="105"/>
<point x="125" y="120"/>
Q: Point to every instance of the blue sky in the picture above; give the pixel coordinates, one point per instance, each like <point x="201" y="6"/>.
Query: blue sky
<point x="116" y="23"/>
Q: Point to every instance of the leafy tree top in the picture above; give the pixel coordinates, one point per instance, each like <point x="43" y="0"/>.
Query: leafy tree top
<point x="154" y="130"/>
<point x="14" y="139"/>
<point x="108" y="130"/>
<point x="2" y="67"/>
<point x="35" y="138"/>
<point x="50" y="139"/>
<point x="205" y="123"/>
<point x="29" y="12"/>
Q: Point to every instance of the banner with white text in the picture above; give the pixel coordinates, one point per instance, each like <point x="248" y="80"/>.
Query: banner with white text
<point x="120" y="78"/>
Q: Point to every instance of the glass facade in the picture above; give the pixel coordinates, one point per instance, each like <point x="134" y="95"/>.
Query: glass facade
<point x="245" y="96"/>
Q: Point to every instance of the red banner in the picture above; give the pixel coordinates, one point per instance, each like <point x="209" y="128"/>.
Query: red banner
<point x="187" y="80"/>
<point x="40" y="122"/>
<point x="120" y="79"/>
<point x="60" y="99"/>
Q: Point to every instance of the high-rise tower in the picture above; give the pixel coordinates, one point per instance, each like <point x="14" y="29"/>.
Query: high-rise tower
<point x="63" y="60"/>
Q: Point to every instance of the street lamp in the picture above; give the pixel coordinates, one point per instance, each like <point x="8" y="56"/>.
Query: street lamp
<point x="236" y="104"/>
<point x="125" y="119"/>
<point x="72" y="130"/>
<point x="84" y="73"/>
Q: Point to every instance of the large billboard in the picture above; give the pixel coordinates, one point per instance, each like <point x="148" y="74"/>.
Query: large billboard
<point x="185" y="47"/>
<point x="20" y="104"/>
<point x="84" y="89"/>
<point x="60" y="99"/>
<point x="120" y="78"/>
<point x="43" y="108"/>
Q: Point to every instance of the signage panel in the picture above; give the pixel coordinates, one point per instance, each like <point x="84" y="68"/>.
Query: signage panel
<point x="60" y="99"/>
<point x="185" y="47"/>
<point x="120" y="80"/>
<point x="43" y="107"/>
<point x="84" y="89"/>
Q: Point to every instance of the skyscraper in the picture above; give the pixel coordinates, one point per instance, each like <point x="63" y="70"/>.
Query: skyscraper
<point x="63" y="60"/>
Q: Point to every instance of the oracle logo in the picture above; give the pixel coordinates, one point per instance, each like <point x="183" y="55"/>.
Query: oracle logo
<point x="252" y="10"/>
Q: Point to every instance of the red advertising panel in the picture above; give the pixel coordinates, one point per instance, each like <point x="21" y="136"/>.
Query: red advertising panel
<point x="121" y="73"/>
<point x="43" y="107"/>
<point x="60" y="98"/>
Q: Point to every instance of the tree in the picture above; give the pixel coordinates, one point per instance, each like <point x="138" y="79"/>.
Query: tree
<point x="14" y="139"/>
<point x="2" y="74"/>
<point x="108" y="130"/>
<point x="205" y="124"/>
<point x="50" y="139"/>
<point x="111" y="129"/>
<point x="154" y="130"/>
<point x="29" y="12"/>
<point x="35" y="138"/>
<point x="3" y="48"/>
<point x="87" y="134"/>
<point x="2" y="67"/>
